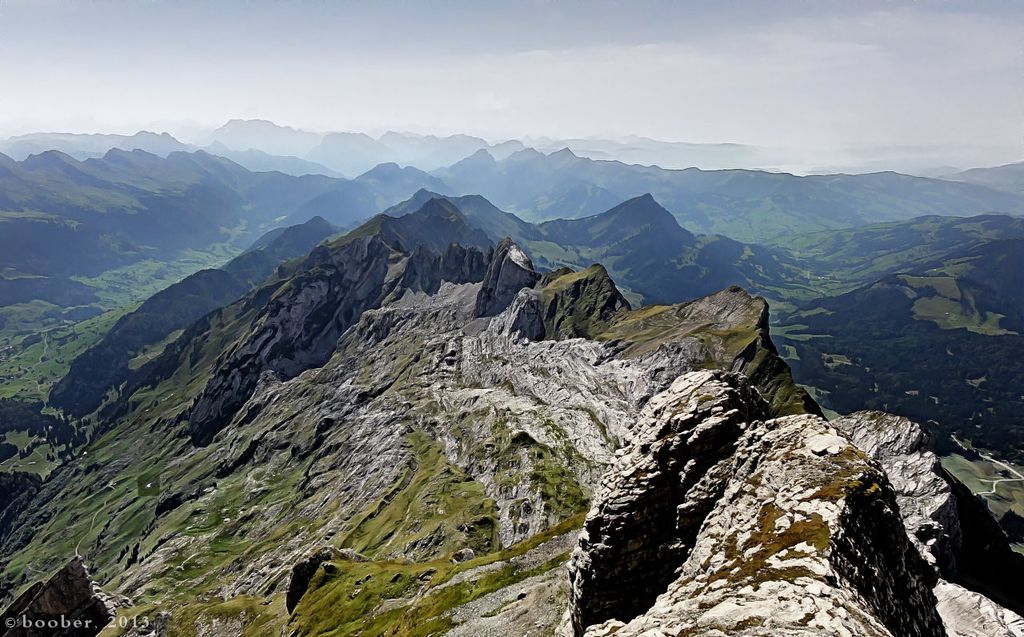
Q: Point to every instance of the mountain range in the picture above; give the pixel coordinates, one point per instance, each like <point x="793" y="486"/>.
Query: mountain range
<point x="419" y="436"/>
<point x="745" y="205"/>
<point x="66" y="221"/>
<point x="447" y="418"/>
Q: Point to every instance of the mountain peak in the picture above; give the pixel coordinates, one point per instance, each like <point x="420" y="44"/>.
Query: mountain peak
<point x="48" y="158"/>
<point x="442" y="208"/>
<point x="509" y="272"/>
<point x="383" y="170"/>
<point x="525" y="154"/>
<point x="644" y="209"/>
<point x="480" y="156"/>
<point x="563" y="154"/>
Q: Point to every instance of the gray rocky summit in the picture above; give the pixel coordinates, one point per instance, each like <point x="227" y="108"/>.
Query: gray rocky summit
<point x="718" y="520"/>
<point x="743" y="525"/>
<point x="510" y="270"/>
<point x="411" y="440"/>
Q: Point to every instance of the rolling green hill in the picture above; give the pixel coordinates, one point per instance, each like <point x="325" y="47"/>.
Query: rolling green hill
<point x="140" y="335"/>
<point x="941" y="349"/>
<point x="650" y="256"/>
<point x="746" y="205"/>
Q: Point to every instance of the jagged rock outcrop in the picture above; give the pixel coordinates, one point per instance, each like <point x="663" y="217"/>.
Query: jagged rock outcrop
<point x="581" y="304"/>
<point x="780" y="526"/>
<point x="303" y="571"/>
<point x="510" y="270"/>
<point x="300" y="326"/>
<point x="68" y="604"/>
<point x="925" y="498"/>
<point x="565" y="304"/>
<point x="950" y="527"/>
<point x="427" y="431"/>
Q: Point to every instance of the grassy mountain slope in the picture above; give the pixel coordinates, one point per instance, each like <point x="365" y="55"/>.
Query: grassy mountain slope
<point x="1009" y="178"/>
<point x="140" y="335"/>
<point x="388" y="455"/>
<point x="838" y="261"/>
<point x="746" y="205"/>
<point x="937" y="348"/>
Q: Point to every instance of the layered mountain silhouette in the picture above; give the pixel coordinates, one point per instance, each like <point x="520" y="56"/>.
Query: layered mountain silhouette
<point x="139" y="335"/>
<point x="743" y="204"/>
<point x="640" y="243"/>
<point x="62" y="217"/>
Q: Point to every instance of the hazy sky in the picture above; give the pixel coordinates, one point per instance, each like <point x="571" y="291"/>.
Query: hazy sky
<point x="807" y="75"/>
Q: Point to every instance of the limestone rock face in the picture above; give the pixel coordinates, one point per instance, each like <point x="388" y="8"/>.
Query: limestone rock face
<point x="523" y="318"/>
<point x="510" y="270"/>
<point x="925" y="498"/>
<point x="773" y="527"/>
<point x="969" y="614"/>
<point x="640" y="531"/>
<point x="949" y="526"/>
<point x="300" y="326"/>
<point x="70" y="594"/>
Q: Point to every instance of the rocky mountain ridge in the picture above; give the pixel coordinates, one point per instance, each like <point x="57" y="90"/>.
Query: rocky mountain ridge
<point x="388" y="439"/>
<point x="719" y="520"/>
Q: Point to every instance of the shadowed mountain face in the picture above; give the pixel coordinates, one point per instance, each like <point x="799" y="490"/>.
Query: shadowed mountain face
<point x="745" y="205"/>
<point x="640" y="243"/>
<point x="63" y="218"/>
<point x="140" y="335"/>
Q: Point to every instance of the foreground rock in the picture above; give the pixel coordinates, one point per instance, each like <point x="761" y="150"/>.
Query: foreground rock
<point x="748" y="527"/>
<point x="69" y="603"/>
<point x="950" y="527"/>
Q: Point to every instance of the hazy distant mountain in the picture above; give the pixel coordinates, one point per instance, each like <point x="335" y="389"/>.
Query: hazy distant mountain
<point x="259" y="161"/>
<point x="96" y="145"/>
<point x="85" y="146"/>
<point x="258" y="134"/>
<point x="353" y="153"/>
<point x="396" y="182"/>
<point x="349" y="202"/>
<point x="747" y="205"/>
<point x="429" y="151"/>
<point x="350" y="153"/>
<point x="64" y="218"/>
<point x="642" y="150"/>
<point x="1009" y="177"/>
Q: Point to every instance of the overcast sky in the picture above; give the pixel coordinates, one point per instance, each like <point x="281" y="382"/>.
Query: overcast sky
<point x="815" y="75"/>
